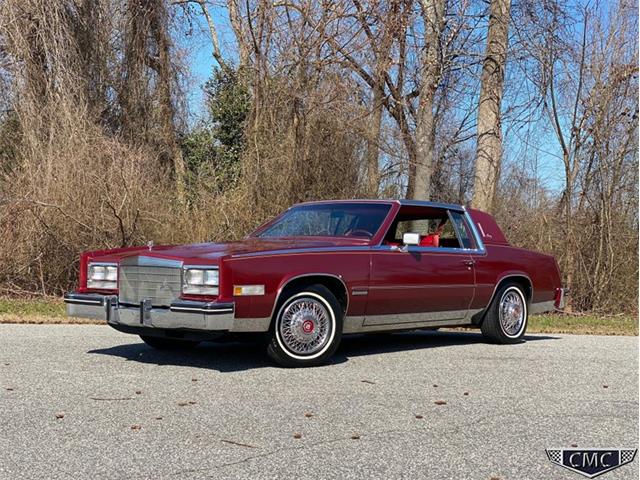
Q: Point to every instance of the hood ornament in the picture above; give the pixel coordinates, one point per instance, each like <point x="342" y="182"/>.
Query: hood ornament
<point x="150" y="245"/>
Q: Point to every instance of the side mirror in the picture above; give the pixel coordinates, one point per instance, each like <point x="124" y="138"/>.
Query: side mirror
<point x="411" y="239"/>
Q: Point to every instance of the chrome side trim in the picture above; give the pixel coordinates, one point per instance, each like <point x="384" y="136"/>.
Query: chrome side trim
<point x="418" y="317"/>
<point x="541" y="307"/>
<point x="359" y="292"/>
<point x="411" y="321"/>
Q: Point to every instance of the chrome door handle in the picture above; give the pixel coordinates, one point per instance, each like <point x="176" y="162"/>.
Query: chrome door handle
<point x="469" y="263"/>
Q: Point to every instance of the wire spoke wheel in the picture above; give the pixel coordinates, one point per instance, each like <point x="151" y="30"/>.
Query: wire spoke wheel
<point x="511" y="313"/>
<point x="305" y="326"/>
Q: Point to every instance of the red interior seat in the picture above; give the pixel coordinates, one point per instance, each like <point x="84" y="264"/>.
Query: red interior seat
<point x="432" y="240"/>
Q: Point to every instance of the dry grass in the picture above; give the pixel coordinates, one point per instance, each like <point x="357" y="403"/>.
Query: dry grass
<point x="37" y="311"/>
<point x="589" y="324"/>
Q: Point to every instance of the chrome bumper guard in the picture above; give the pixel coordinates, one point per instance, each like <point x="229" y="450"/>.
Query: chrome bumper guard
<point x="562" y="301"/>
<point x="191" y="315"/>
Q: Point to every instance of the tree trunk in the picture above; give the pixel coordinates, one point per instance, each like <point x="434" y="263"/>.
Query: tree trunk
<point x="489" y="147"/>
<point x="235" y="19"/>
<point x="373" y="140"/>
<point x="420" y="172"/>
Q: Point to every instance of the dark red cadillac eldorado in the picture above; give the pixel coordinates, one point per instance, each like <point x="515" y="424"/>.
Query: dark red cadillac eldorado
<point x="321" y="270"/>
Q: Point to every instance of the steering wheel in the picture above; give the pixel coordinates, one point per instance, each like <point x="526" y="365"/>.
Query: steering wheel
<point x="358" y="232"/>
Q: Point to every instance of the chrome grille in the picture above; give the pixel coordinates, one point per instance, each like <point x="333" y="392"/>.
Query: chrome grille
<point x="161" y="285"/>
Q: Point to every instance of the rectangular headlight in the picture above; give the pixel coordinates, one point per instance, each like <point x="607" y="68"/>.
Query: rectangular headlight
<point x="201" y="281"/>
<point x="103" y="276"/>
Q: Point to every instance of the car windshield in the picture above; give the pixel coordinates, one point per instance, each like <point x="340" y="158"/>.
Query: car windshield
<point x="329" y="220"/>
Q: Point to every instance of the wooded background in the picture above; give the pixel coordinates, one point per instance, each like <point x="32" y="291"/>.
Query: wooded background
<point x="525" y="108"/>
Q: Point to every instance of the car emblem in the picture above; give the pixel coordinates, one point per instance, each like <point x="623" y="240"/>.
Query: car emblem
<point x="591" y="462"/>
<point x="150" y="244"/>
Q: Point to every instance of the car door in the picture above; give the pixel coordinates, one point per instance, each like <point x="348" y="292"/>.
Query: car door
<point x="420" y="284"/>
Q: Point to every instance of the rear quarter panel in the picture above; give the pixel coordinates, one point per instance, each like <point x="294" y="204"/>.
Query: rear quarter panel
<point x="501" y="261"/>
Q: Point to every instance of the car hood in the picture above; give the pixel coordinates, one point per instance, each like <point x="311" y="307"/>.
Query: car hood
<point x="213" y="251"/>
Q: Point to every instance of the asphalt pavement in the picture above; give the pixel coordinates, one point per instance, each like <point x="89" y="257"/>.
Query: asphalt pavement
<point x="79" y="401"/>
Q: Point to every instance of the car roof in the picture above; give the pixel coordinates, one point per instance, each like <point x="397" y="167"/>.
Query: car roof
<point x="413" y="203"/>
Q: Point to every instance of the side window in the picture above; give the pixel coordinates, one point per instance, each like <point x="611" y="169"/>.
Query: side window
<point x="423" y="226"/>
<point x="466" y="238"/>
<point x="437" y="227"/>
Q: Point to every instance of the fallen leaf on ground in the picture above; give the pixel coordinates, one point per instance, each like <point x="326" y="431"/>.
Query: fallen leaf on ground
<point x="435" y="386"/>
<point x="297" y="435"/>
<point x="605" y="386"/>
<point x="308" y="414"/>
<point x="355" y="437"/>
<point x="194" y="379"/>
<point x="10" y="389"/>
<point x="440" y="402"/>
<point x="419" y="417"/>
<point x="136" y="427"/>
<point x="574" y="445"/>
<point x="191" y="402"/>
<point x="60" y="415"/>
<point x="238" y="443"/>
<point x="183" y="404"/>
<point x="158" y="418"/>
<point x="466" y="393"/>
<point x="368" y="381"/>
<point x="110" y="399"/>
<point x="138" y="392"/>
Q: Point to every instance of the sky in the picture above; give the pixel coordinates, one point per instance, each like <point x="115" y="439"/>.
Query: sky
<point x="530" y="142"/>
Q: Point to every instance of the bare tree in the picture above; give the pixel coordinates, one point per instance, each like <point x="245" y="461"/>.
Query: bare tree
<point x="489" y="146"/>
<point x="430" y="72"/>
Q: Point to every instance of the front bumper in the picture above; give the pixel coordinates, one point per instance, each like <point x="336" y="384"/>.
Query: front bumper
<point x="187" y="315"/>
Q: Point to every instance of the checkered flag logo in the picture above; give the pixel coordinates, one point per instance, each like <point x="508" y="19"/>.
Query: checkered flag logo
<point x="627" y="456"/>
<point x="555" y="456"/>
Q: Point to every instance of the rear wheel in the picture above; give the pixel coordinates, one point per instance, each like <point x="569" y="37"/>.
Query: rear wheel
<point x="507" y="316"/>
<point x="307" y="328"/>
<point x="160" y="343"/>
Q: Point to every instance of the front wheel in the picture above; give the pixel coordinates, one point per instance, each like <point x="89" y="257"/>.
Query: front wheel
<point x="507" y="316"/>
<point x="307" y="328"/>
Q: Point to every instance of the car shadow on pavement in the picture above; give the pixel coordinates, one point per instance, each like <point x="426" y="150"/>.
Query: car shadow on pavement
<point x="223" y="357"/>
<point x="240" y="356"/>
<point x="357" y="345"/>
